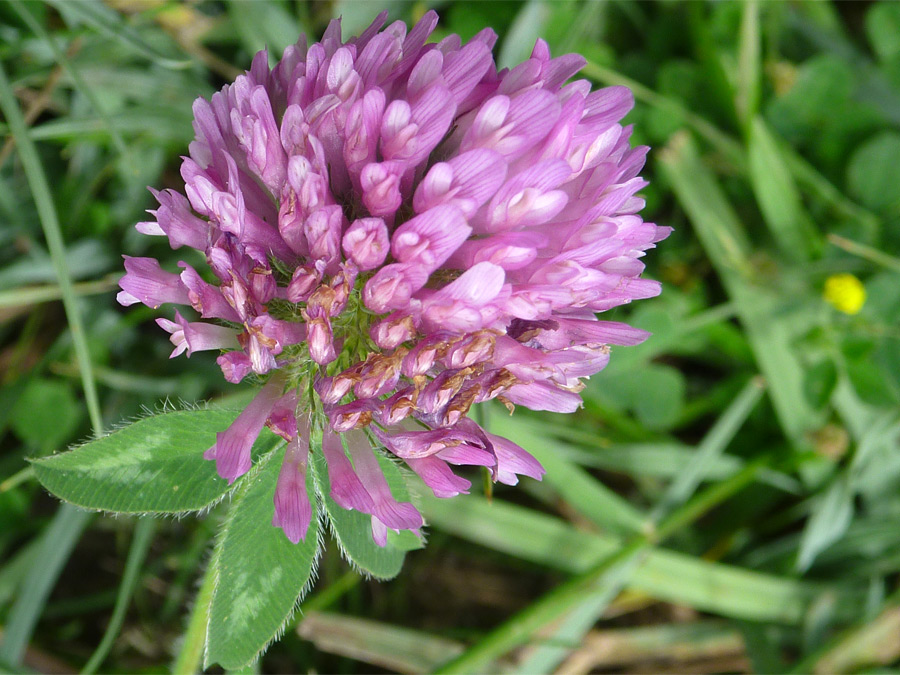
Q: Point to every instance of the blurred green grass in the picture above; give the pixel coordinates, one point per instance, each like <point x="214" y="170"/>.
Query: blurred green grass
<point x="756" y="431"/>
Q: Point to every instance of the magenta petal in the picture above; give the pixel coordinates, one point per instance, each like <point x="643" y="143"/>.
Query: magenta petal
<point x="583" y="331"/>
<point x="393" y="330"/>
<point x="346" y="488"/>
<point x="401" y="230"/>
<point x="323" y="233"/>
<point x="235" y="366"/>
<point x="512" y="460"/>
<point x="293" y="511"/>
<point x="177" y="337"/>
<point x="150" y="228"/>
<point x="607" y="105"/>
<point x="379" y="532"/>
<point x="439" y="477"/>
<point x="232" y="448"/>
<point x="381" y="187"/>
<point x="197" y="336"/>
<point x="463" y="69"/>
<point x="176" y="220"/>
<point x="544" y="396"/>
<point x="476" y="286"/>
<point x="395" y="515"/>
<point x="468" y="455"/>
<point x="428" y="239"/>
<point x="321" y="340"/>
<point x="418" y="444"/>
<point x="467" y="181"/>
<point x="366" y="242"/>
<point x="206" y="298"/>
<point x="393" y="286"/>
<point x="145" y="281"/>
<point x="561" y="69"/>
<point x="283" y="418"/>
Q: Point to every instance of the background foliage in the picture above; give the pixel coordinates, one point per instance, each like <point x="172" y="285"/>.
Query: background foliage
<point x="727" y="500"/>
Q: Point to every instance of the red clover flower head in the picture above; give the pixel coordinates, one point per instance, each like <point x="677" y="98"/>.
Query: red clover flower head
<point x="396" y="231"/>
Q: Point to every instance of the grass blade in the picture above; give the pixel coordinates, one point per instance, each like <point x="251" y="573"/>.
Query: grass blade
<point x="140" y="544"/>
<point x="778" y="197"/>
<point x="746" y="99"/>
<point x="769" y="331"/>
<point x="603" y="581"/>
<point x="79" y="82"/>
<point x="867" y="252"/>
<point x="106" y="21"/>
<point x="665" y="575"/>
<point x="711" y="447"/>
<point x="803" y="171"/>
<point x="544" y="658"/>
<point x="620" y="648"/>
<point x="190" y="654"/>
<point x="525" y="29"/>
<point x="724" y="143"/>
<point x="865" y="645"/>
<point x="40" y="189"/>
<point x="828" y="523"/>
<point x="264" y="25"/>
<point x="55" y="546"/>
<point x="32" y="295"/>
<point x="16" y="569"/>
<point x="63" y="533"/>
<point x="589" y="496"/>
<point x="400" y="650"/>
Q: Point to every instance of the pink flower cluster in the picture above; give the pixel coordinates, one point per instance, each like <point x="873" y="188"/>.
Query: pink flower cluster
<point x="396" y="231"/>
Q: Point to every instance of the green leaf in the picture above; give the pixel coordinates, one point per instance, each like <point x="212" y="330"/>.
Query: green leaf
<point x="260" y="574"/>
<point x="655" y="392"/>
<point x="353" y="530"/>
<point x="883" y="29"/>
<point x="518" y="41"/>
<point x="868" y="380"/>
<point x="663" y="398"/>
<point x="46" y="414"/>
<point x="829" y="522"/>
<point x="264" y="25"/>
<point x="873" y="174"/>
<point x="819" y="382"/>
<point x="778" y="196"/>
<point x="155" y="465"/>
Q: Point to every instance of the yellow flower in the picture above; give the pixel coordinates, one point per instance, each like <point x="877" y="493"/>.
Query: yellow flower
<point x="845" y="293"/>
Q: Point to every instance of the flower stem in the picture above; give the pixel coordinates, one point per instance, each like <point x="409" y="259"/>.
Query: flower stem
<point x="190" y="656"/>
